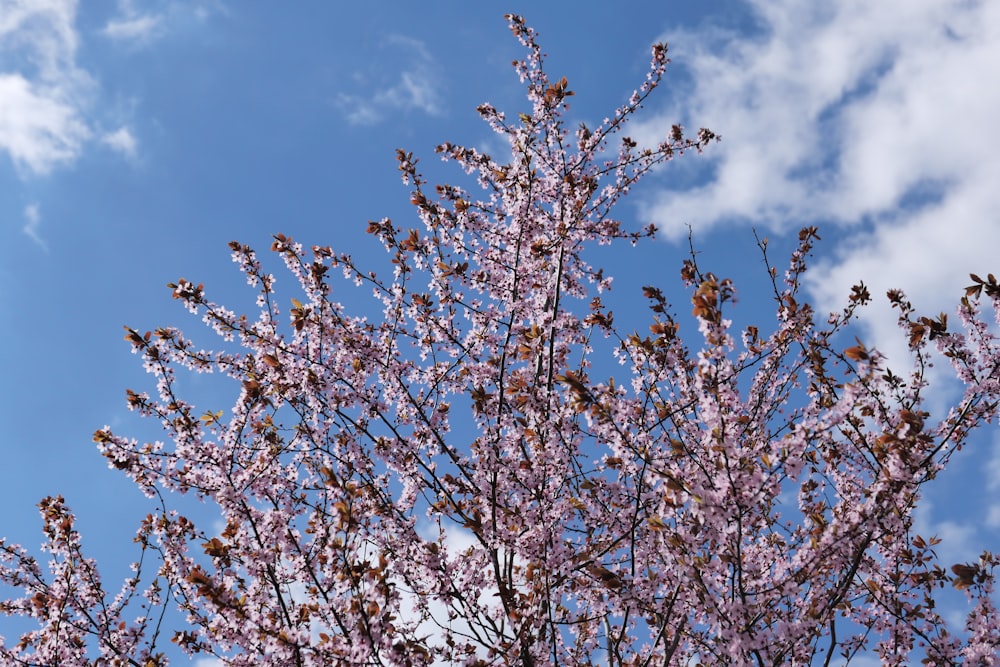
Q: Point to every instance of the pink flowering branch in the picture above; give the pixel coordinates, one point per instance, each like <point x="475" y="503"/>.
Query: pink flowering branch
<point x="76" y="619"/>
<point x="450" y="481"/>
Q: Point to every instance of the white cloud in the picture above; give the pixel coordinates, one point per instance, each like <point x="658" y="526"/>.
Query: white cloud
<point x="839" y="110"/>
<point x="33" y="221"/>
<point x="992" y="473"/>
<point x="414" y="88"/>
<point x="133" y="28"/>
<point x="42" y="120"/>
<point x="993" y="516"/>
<point x="960" y="541"/>
<point x="47" y="115"/>
<point x="874" y="116"/>
<point x="121" y="140"/>
<point x="140" y="24"/>
<point x="456" y="541"/>
<point x="863" y="660"/>
<point x="44" y="29"/>
<point x="928" y="253"/>
<point x="39" y="127"/>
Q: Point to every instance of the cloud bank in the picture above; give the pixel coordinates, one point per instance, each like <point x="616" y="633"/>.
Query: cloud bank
<point x="874" y="116"/>
<point x="840" y="110"/>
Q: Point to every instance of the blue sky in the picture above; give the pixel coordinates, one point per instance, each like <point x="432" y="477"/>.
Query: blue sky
<point x="138" y="138"/>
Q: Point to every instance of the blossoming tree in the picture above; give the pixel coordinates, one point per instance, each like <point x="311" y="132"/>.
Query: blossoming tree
<point x="731" y="497"/>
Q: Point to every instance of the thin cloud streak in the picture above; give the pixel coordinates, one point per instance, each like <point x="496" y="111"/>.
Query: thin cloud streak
<point x="413" y="88"/>
<point x="140" y="24"/>
<point x="32" y="225"/>
<point x="138" y="29"/>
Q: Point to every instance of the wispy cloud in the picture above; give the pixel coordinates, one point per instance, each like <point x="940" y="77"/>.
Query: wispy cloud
<point x="414" y="87"/>
<point x="138" y="25"/>
<point x="133" y="28"/>
<point x="121" y="141"/>
<point x="44" y="92"/>
<point x="32" y="225"/>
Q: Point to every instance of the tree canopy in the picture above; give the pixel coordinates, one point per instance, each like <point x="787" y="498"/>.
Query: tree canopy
<point x="453" y="482"/>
